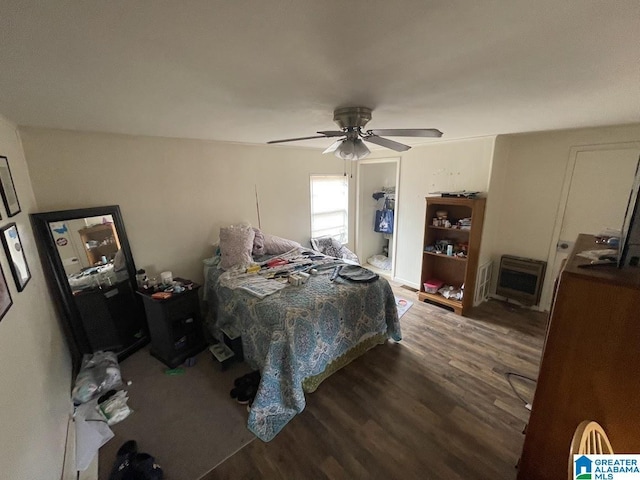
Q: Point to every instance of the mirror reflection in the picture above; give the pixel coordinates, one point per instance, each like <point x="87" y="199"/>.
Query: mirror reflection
<point x="90" y="251"/>
<point x="89" y="266"/>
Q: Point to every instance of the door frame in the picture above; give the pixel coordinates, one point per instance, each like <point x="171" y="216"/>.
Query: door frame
<point x="562" y="205"/>
<point x="370" y="161"/>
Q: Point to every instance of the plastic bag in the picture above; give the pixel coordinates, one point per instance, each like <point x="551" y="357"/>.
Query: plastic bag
<point x="99" y="373"/>
<point x="451" y="292"/>
<point x="115" y="408"/>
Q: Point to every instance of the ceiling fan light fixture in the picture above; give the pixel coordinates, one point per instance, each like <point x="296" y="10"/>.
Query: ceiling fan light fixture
<point x="352" y="149"/>
<point x="351" y="121"/>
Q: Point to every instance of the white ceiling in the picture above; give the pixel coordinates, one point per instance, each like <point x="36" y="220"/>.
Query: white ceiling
<point x="252" y="71"/>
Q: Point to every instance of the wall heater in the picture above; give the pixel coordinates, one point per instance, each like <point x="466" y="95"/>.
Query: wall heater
<point x="521" y="279"/>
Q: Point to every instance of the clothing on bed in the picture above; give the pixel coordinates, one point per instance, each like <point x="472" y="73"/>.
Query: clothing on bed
<point x="300" y="334"/>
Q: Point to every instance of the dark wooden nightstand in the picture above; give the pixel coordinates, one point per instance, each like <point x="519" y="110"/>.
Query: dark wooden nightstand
<point x="175" y="325"/>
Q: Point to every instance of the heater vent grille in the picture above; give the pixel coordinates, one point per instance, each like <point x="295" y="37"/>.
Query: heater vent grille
<point x="483" y="282"/>
<point x="521" y="279"/>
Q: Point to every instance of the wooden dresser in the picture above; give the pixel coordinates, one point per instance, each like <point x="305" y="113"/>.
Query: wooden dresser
<point x="590" y="367"/>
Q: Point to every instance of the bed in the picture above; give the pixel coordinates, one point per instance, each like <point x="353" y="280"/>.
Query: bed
<point x="301" y="334"/>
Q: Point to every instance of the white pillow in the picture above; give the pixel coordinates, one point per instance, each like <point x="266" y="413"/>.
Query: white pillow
<point x="236" y="243"/>
<point x="276" y="245"/>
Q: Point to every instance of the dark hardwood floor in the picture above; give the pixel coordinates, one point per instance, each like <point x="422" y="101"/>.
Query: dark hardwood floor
<point x="435" y="406"/>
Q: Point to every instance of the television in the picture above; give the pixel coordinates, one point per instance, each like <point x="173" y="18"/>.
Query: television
<point x="629" y="247"/>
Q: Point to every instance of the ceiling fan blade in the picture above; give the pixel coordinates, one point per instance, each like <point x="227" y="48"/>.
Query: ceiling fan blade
<point x="407" y="132"/>
<point x="332" y="133"/>
<point x="333" y="147"/>
<point x="385" y="142"/>
<point x="296" y="139"/>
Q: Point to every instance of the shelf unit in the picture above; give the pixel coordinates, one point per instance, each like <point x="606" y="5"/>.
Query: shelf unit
<point x="107" y="240"/>
<point x="452" y="270"/>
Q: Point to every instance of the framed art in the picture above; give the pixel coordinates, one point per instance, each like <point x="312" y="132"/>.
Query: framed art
<point x="15" y="255"/>
<point x="8" y="189"/>
<point x="5" y="296"/>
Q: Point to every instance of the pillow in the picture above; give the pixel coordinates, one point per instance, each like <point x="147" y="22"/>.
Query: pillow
<point x="236" y="244"/>
<point x="258" y="242"/>
<point x="276" y="245"/>
<point x="328" y="246"/>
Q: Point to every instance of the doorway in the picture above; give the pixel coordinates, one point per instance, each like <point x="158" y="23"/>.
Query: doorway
<point x="594" y="198"/>
<point x="376" y="207"/>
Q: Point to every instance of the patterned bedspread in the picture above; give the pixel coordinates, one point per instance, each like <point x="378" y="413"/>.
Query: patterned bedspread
<point x="299" y="335"/>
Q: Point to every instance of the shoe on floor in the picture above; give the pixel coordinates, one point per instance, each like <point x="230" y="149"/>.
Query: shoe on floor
<point x="249" y="378"/>
<point x="124" y="456"/>
<point x="144" y="467"/>
<point x="246" y="395"/>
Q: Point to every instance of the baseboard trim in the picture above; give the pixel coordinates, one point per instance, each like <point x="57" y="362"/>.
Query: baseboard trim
<point x="495" y="296"/>
<point x="407" y="283"/>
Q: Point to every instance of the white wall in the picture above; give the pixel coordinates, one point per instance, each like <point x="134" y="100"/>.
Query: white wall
<point x="175" y="194"/>
<point x="35" y="366"/>
<point x="534" y="168"/>
<point x="491" y="231"/>
<point x="456" y="165"/>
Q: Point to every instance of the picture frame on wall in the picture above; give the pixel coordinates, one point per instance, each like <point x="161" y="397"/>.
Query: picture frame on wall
<point x="8" y="189"/>
<point x="5" y="295"/>
<point x="15" y="255"/>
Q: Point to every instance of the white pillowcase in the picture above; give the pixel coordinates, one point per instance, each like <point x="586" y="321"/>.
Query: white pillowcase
<point x="274" y="245"/>
<point x="236" y="243"/>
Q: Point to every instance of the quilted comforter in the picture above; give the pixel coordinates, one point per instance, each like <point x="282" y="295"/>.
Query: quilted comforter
<point x="299" y="335"/>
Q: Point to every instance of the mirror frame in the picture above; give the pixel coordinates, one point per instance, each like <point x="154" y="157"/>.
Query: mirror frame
<point x="59" y="284"/>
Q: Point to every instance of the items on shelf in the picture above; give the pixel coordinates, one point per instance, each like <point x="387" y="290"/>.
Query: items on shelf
<point x="449" y="248"/>
<point x="451" y="292"/>
<point x="100" y="242"/>
<point x="433" y="285"/>
<point x="441" y="220"/>
<point x="453" y="230"/>
<point x="457" y="194"/>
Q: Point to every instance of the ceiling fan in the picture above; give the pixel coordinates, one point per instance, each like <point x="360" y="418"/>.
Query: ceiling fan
<point x="351" y="121"/>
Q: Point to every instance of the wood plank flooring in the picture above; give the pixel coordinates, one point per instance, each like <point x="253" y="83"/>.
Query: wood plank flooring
<point x="435" y="406"/>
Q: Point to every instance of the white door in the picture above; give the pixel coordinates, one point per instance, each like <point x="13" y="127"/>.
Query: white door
<point x="596" y="199"/>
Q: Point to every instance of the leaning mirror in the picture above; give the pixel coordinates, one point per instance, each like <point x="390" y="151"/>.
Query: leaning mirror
<point x="90" y="268"/>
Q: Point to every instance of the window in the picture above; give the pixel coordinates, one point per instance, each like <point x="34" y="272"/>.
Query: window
<point x="330" y="206"/>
